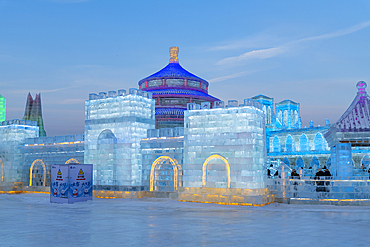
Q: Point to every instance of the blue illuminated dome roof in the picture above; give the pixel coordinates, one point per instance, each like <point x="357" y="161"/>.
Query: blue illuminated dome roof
<point x="175" y="71"/>
<point x="173" y="88"/>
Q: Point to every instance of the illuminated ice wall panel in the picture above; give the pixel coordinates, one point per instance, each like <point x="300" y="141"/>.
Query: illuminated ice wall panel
<point x="12" y="136"/>
<point x="224" y="147"/>
<point x="115" y="123"/>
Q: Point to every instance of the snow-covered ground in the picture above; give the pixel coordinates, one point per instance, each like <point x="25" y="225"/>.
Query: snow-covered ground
<point x="31" y="220"/>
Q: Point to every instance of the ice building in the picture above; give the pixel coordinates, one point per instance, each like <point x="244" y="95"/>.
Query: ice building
<point x="173" y="87"/>
<point x="115" y="123"/>
<point x="171" y="137"/>
<point x="13" y="134"/>
<point x="33" y="112"/>
<point x="2" y="108"/>
<point x="350" y="136"/>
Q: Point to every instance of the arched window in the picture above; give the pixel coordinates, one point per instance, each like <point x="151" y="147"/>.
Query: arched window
<point x="319" y="142"/>
<point x="291" y="118"/>
<point x="366" y="161"/>
<point x="280" y="117"/>
<point x="289" y="144"/>
<point x="286" y="161"/>
<point x="303" y="143"/>
<point x="276" y="144"/>
<point x="328" y="163"/>
<point x="285" y="116"/>
<point x="299" y="163"/>
<point x="107" y="136"/>
<point x="315" y="164"/>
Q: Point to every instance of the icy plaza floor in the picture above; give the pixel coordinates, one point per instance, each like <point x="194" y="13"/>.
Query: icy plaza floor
<point x="31" y="220"/>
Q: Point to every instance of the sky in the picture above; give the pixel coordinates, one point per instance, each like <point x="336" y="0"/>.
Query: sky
<point x="311" y="52"/>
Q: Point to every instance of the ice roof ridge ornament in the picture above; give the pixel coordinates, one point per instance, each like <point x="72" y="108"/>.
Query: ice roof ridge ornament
<point x="361" y="86"/>
<point x="174" y="52"/>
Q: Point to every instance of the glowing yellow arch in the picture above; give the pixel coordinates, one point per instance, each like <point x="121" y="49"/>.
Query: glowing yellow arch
<point x="43" y="168"/>
<point x="215" y="156"/>
<point x="159" y="160"/>
<point x="2" y="170"/>
<point x="72" y="160"/>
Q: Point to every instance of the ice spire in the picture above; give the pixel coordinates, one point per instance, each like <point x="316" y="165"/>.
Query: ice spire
<point x="33" y="112"/>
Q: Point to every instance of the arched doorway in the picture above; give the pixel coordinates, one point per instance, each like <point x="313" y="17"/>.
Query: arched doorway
<point x="286" y="161"/>
<point x="72" y="161"/>
<point x="105" y="169"/>
<point x="315" y="164"/>
<point x="299" y="163"/>
<point x="164" y="174"/>
<point x="215" y="174"/>
<point x="37" y="173"/>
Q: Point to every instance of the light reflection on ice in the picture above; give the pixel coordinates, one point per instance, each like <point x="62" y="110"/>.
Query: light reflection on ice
<point x="30" y="219"/>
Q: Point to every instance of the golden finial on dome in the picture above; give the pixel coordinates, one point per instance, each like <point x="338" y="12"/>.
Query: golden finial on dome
<point x="174" y="51"/>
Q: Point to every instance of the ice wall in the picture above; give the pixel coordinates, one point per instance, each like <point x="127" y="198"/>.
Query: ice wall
<point x="115" y="123"/>
<point x="12" y="136"/>
<point x="236" y="133"/>
<point x="48" y="151"/>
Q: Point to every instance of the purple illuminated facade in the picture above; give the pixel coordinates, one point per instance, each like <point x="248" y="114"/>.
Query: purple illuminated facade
<point x="173" y="87"/>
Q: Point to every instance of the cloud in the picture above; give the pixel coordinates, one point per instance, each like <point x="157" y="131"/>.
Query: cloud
<point x="259" y="54"/>
<point x="252" y="42"/>
<point x="72" y="101"/>
<point x="236" y="75"/>
<point x="275" y="51"/>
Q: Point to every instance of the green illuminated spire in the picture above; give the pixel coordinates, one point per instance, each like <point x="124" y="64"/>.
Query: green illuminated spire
<point x="2" y="108"/>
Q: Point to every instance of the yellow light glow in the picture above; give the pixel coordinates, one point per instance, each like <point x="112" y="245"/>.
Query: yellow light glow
<point x="231" y="203"/>
<point x="43" y="168"/>
<point x="215" y="156"/>
<point x="2" y="170"/>
<point x="159" y="161"/>
<point x="72" y="160"/>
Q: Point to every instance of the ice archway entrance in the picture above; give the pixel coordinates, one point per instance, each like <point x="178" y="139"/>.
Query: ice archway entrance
<point x="205" y="166"/>
<point x="161" y="170"/>
<point x="36" y="177"/>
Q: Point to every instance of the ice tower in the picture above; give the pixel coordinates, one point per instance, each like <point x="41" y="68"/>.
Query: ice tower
<point x="2" y="108"/>
<point x="287" y="114"/>
<point x="115" y="123"/>
<point x="33" y="112"/>
<point x="224" y="154"/>
<point x="173" y="87"/>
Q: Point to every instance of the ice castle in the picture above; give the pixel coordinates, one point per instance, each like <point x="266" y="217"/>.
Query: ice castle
<point x="171" y="138"/>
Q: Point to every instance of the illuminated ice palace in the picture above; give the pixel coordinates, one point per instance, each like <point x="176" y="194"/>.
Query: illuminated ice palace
<point x="170" y="138"/>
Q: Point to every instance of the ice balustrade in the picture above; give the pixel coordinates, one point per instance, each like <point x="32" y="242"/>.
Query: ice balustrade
<point x="353" y="190"/>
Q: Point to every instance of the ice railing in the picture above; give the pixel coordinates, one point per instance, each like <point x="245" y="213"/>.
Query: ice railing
<point x="313" y="188"/>
<point x="221" y="104"/>
<point x="121" y="92"/>
<point x="19" y="122"/>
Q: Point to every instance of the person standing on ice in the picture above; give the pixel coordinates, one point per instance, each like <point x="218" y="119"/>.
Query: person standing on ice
<point x="320" y="184"/>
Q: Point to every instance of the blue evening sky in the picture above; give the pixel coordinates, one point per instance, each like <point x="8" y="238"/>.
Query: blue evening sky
<point x="312" y="52"/>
